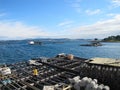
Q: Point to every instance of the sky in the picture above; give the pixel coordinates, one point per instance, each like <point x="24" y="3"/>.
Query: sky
<point x="83" y="19"/>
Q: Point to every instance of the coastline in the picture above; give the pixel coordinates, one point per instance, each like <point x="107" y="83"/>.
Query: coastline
<point x="111" y="41"/>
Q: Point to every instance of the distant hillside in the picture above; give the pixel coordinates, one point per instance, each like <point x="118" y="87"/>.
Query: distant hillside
<point x="112" y="39"/>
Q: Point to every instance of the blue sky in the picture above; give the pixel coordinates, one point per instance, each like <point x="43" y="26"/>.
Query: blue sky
<point x="21" y="19"/>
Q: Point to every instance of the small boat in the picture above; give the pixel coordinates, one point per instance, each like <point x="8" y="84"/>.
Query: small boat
<point x="93" y="43"/>
<point x="35" y="43"/>
<point x="31" y="42"/>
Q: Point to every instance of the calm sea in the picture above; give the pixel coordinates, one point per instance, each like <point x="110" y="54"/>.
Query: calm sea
<point x="15" y="51"/>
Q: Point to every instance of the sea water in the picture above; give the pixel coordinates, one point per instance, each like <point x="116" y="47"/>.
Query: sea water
<point x="15" y="51"/>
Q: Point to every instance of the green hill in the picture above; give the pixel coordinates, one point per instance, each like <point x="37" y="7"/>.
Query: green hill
<point x="112" y="39"/>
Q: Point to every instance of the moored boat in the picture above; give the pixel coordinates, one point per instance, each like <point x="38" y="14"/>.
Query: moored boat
<point x="35" y="43"/>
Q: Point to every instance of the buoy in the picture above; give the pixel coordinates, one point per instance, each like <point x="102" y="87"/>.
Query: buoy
<point x="35" y="72"/>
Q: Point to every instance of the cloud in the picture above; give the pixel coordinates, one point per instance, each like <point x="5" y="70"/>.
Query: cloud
<point x="99" y="29"/>
<point x="18" y="30"/>
<point x="115" y="3"/>
<point x="110" y="14"/>
<point x="93" y="12"/>
<point x="65" y="23"/>
<point x="2" y="14"/>
<point x="75" y="4"/>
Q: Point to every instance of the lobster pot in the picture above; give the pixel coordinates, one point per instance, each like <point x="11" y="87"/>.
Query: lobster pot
<point x="70" y="56"/>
